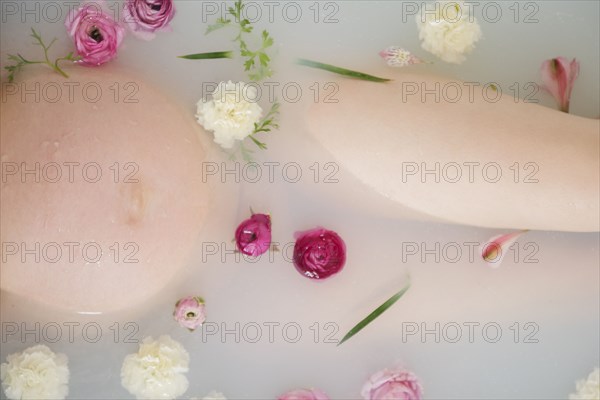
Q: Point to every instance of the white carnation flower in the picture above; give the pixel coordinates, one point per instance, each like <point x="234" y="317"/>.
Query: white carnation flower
<point x="36" y="373"/>
<point x="157" y="370"/>
<point x="214" y="395"/>
<point x="449" y="31"/>
<point x="231" y="113"/>
<point x="588" y="389"/>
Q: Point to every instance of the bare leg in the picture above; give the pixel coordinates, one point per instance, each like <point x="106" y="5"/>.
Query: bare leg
<point x="388" y="138"/>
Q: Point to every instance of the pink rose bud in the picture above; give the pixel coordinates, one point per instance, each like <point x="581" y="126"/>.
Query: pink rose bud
<point x="558" y="77"/>
<point x="145" y="17"/>
<point x="319" y="253"/>
<point x="190" y="312"/>
<point x="304" y="394"/>
<point x="253" y="236"/>
<point x="397" y="384"/>
<point x="95" y="33"/>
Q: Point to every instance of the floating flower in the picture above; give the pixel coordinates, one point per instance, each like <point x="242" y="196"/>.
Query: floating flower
<point x="214" y="395"/>
<point x="231" y="114"/>
<point x="157" y="370"/>
<point x="145" y="17"/>
<point x="304" y="394"/>
<point x="392" y="384"/>
<point x="96" y="34"/>
<point x="36" y="373"/>
<point x="253" y="236"/>
<point x="319" y="253"/>
<point x="558" y="76"/>
<point x="190" y="312"/>
<point x="398" y="57"/>
<point x="496" y="248"/>
<point x="588" y="389"/>
<point x="449" y="31"/>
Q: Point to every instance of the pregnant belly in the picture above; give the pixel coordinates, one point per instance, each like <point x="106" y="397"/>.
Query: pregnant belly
<point x="101" y="193"/>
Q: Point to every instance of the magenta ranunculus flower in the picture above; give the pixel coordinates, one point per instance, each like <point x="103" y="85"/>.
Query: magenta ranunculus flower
<point x="558" y="76"/>
<point x="253" y="236"/>
<point x="145" y="17"/>
<point x="319" y="253"/>
<point x="395" y="384"/>
<point x="190" y="312"/>
<point x="95" y="33"/>
<point x="304" y="394"/>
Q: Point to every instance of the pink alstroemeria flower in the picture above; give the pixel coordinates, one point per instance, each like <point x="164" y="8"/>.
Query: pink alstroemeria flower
<point x="398" y="57"/>
<point x="95" y="33"/>
<point x="190" y="312"/>
<point x="304" y="394"/>
<point x="558" y="77"/>
<point x="496" y="248"/>
<point x="396" y="384"/>
<point x="145" y="17"/>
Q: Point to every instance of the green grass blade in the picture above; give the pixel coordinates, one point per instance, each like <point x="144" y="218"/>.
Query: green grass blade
<point x="376" y="313"/>
<point x="340" y="71"/>
<point x="206" y="56"/>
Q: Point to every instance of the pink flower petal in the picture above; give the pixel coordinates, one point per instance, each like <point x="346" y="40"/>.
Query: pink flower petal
<point x="558" y="77"/>
<point x="495" y="249"/>
<point x="398" y="57"/>
<point x="304" y="394"/>
<point x="396" y="383"/>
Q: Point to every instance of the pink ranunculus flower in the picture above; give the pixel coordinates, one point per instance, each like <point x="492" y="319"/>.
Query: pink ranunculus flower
<point x="558" y="77"/>
<point x="95" y="33"/>
<point x="304" y="394"/>
<point x="253" y="236"/>
<point x="145" y="17"/>
<point x="319" y="253"/>
<point x="190" y="312"/>
<point x="394" y="384"/>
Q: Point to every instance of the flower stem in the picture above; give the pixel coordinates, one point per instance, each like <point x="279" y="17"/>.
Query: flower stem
<point x="52" y="65"/>
<point x="21" y="61"/>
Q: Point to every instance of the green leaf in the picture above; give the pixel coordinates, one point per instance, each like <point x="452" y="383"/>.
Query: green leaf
<point x="238" y="9"/>
<point x="340" y="71"/>
<point x="376" y="313"/>
<point x="267" y="40"/>
<point x="260" y="145"/>
<point x="264" y="59"/>
<point x="257" y="69"/>
<point x="205" y="56"/>
<point x="249" y="64"/>
<point x="221" y="23"/>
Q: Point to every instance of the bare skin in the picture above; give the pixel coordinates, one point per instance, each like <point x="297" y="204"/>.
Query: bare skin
<point x="143" y="212"/>
<point x="389" y="136"/>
